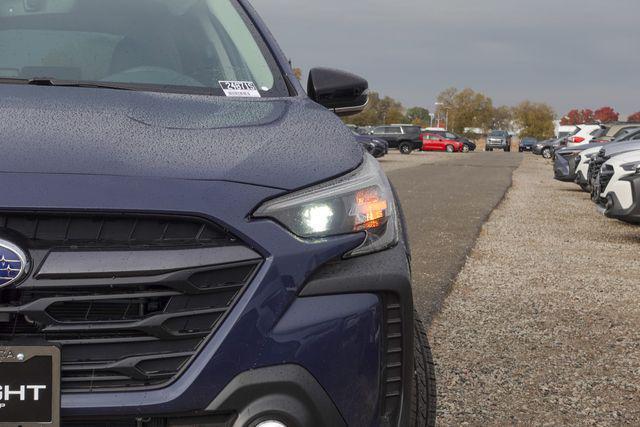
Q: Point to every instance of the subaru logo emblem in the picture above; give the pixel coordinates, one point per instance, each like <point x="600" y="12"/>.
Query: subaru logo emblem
<point x="13" y="263"/>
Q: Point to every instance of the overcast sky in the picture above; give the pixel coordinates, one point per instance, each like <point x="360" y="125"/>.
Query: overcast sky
<point x="568" y="53"/>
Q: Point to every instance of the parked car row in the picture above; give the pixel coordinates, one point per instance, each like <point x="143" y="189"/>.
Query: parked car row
<point x="608" y="168"/>
<point x="582" y="135"/>
<point x="410" y="138"/>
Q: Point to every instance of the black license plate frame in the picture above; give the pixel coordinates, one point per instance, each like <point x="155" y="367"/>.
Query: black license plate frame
<point x="24" y="371"/>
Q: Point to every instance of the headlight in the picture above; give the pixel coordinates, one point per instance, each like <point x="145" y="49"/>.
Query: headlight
<point x="631" y="167"/>
<point x="359" y="202"/>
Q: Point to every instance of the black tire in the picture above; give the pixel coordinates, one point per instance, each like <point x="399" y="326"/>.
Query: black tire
<point x="450" y="149"/>
<point x="424" y="398"/>
<point x="465" y="148"/>
<point x="586" y="188"/>
<point x="405" y="148"/>
<point x="546" y="153"/>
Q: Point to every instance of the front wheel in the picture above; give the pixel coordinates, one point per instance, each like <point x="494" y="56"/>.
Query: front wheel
<point x="546" y="153"/>
<point x="450" y="149"/>
<point x="405" y="148"/>
<point x="465" y="149"/>
<point x="424" y="397"/>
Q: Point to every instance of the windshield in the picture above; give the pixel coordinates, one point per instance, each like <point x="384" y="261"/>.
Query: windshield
<point x="498" y="133"/>
<point x="189" y="46"/>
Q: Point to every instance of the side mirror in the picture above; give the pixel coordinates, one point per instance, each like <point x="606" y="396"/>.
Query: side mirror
<point x="343" y="93"/>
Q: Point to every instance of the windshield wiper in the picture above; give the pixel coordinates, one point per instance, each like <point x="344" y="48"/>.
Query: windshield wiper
<point x="46" y="81"/>
<point x="38" y="81"/>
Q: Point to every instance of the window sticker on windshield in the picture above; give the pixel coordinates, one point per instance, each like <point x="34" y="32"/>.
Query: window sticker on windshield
<point x="243" y="89"/>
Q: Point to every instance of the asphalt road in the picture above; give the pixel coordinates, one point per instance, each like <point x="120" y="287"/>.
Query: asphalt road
<point x="446" y="198"/>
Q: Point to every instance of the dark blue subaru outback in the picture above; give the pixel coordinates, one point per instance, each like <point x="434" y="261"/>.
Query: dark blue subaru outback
<point x="187" y="238"/>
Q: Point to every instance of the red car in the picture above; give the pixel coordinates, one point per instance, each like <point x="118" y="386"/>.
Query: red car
<point x="433" y="142"/>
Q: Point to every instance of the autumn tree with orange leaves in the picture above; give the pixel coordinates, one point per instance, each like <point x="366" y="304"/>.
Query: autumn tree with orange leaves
<point x="576" y="117"/>
<point x="601" y="115"/>
<point x="634" y="118"/>
<point x="606" y="115"/>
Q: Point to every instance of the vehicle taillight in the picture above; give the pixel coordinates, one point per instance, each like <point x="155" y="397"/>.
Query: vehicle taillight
<point x="576" y="139"/>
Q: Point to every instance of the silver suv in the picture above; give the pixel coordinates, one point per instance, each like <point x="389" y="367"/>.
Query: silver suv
<point x="498" y="139"/>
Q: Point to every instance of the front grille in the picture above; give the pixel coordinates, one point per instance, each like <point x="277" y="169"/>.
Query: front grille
<point x="596" y="165"/>
<point x="392" y="367"/>
<point x="103" y="230"/>
<point x="606" y="174"/>
<point x="122" y="330"/>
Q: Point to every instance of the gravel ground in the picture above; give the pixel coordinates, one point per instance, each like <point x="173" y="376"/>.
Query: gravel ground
<point x="440" y="206"/>
<point x="543" y="323"/>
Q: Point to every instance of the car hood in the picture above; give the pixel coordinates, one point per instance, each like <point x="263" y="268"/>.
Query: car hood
<point x="284" y="143"/>
<point x="579" y="148"/>
<point x="624" y="157"/>
<point x="366" y="139"/>
<point x="621" y="147"/>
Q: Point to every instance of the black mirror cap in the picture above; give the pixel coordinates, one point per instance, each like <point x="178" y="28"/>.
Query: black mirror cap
<point x="343" y="93"/>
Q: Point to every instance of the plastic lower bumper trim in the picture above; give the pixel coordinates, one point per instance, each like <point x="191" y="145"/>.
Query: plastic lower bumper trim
<point x="580" y="179"/>
<point x="286" y="393"/>
<point x="614" y="208"/>
<point x="565" y="173"/>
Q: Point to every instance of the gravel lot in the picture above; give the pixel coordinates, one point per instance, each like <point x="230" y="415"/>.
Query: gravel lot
<point x="543" y="323"/>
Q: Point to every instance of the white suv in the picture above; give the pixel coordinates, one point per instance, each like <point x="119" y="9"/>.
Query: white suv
<point x="611" y="187"/>
<point x="584" y="135"/>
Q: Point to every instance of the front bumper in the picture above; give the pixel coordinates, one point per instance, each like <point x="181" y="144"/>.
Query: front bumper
<point x="496" y="144"/>
<point x="614" y="208"/>
<point x="564" y="168"/>
<point x="581" y="179"/>
<point x="303" y="308"/>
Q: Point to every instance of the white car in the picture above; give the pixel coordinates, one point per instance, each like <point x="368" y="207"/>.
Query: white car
<point x="582" y="169"/>
<point x="590" y="160"/>
<point x="566" y="131"/>
<point x="584" y="135"/>
<point x="614" y="190"/>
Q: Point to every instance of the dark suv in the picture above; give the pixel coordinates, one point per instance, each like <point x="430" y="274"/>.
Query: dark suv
<point x="188" y="237"/>
<point x="403" y="137"/>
